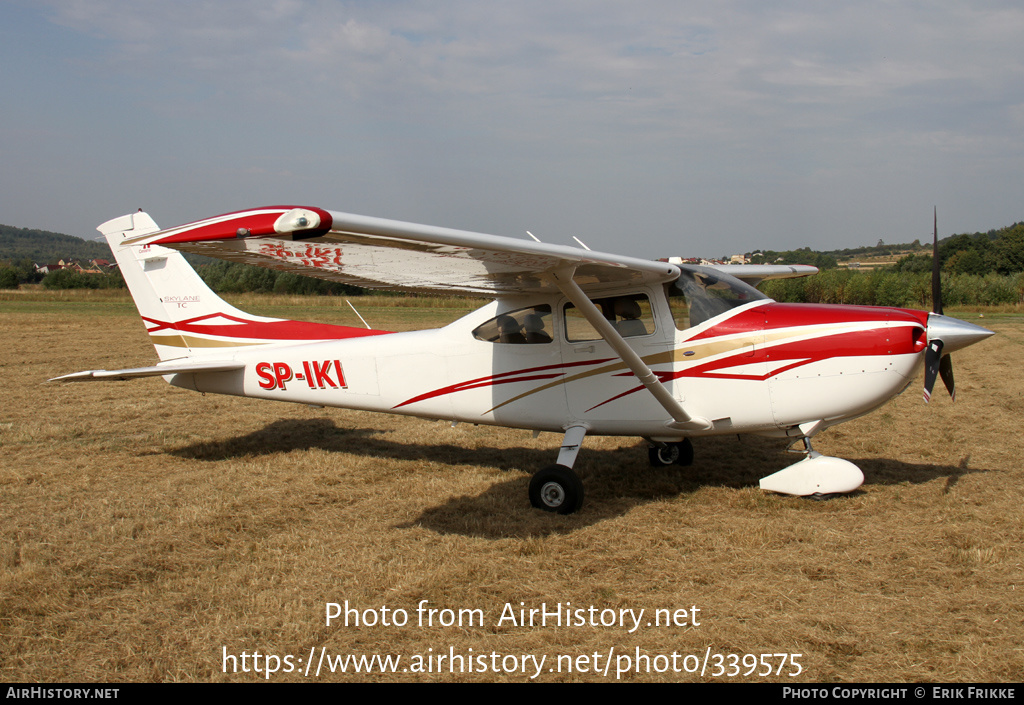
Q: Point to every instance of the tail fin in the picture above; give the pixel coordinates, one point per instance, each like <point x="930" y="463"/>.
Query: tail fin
<point x="183" y="316"/>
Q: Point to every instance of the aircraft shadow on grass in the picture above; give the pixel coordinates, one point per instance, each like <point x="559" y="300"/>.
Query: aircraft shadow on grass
<point x="616" y="480"/>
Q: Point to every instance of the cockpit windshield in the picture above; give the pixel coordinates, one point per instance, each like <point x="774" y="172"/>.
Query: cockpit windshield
<point x="701" y="293"/>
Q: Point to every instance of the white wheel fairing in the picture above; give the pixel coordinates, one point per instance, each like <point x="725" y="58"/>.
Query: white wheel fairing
<point x="817" y="474"/>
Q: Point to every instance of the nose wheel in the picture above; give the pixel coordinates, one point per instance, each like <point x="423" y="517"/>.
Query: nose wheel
<point x="675" y="453"/>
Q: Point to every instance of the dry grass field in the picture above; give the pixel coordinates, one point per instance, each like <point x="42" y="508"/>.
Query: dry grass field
<point x="144" y="529"/>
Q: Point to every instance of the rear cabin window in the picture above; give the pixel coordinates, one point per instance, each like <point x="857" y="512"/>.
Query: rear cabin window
<point x="524" y="326"/>
<point x="630" y="315"/>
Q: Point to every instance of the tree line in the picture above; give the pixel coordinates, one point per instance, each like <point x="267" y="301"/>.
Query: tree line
<point x="888" y="287"/>
<point x="222" y="277"/>
<point x="980" y="269"/>
<point x="234" y="277"/>
<point x="998" y="252"/>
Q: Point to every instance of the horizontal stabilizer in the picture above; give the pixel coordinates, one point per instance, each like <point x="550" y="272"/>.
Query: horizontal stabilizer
<point x="156" y="371"/>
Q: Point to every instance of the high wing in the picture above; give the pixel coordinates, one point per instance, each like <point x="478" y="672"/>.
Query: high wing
<point x="378" y="253"/>
<point x="390" y="254"/>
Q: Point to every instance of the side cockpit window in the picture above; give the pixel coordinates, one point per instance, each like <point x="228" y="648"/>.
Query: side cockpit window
<point x="524" y="326"/>
<point x="701" y="293"/>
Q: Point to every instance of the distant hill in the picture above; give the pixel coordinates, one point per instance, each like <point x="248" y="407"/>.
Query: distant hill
<point x="44" y="247"/>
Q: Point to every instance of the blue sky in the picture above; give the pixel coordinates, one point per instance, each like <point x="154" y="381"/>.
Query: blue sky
<point x="646" y="128"/>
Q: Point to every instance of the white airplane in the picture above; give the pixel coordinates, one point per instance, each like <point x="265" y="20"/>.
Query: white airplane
<point x="575" y="342"/>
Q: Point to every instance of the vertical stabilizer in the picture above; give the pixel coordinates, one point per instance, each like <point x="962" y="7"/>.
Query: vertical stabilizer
<point x="183" y="316"/>
<point x="167" y="291"/>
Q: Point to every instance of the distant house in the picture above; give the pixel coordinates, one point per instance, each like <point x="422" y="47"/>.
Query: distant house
<point x="680" y="260"/>
<point x="96" y="266"/>
<point x="90" y="268"/>
<point x="734" y="259"/>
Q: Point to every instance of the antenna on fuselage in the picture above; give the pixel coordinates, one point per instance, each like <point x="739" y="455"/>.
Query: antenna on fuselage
<point x="533" y="236"/>
<point x="582" y="244"/>
<point x="358" y="314"/>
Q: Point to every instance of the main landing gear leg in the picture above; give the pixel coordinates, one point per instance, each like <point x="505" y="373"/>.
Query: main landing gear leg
<point x="557" y="488"/>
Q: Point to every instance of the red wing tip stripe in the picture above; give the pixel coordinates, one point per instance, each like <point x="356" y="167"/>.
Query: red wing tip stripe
<point x="247" y="223"/>
<point x="180" y="233"/>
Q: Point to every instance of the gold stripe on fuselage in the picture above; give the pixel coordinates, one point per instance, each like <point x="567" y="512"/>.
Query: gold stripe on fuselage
<point x="189" y="341"/>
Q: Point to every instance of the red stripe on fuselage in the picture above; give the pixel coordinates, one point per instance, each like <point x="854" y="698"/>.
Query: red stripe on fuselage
<point x="901" y="340"/>
<point x="500" y="378"/>
<point x="790" y="315"/>
<point x="774" y="315"/>
<point x="883" y="340"/>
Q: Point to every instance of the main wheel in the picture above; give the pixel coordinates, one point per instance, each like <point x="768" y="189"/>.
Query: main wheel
<point x="677" y="453"/>
<point x="556" y="488"/>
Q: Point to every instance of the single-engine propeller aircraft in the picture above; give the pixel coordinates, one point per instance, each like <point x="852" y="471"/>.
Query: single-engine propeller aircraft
<point x="575" y="342"/>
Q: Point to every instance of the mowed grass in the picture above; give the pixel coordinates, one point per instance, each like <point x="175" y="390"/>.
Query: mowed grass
<point x="144" y="528"/>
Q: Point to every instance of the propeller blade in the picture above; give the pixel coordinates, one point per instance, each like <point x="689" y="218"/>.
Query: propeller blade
<point x="936" y="277"/>
<point x="944" y="332"/>
<point x="932" y="361"/>
<point x="946" y="372"/>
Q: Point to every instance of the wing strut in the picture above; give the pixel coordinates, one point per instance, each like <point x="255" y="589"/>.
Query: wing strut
<point x="681" y="420"/>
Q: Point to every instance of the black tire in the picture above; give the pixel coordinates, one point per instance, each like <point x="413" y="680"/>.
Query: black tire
<point x="678" y="453"/>
<point x="556" y="488"/>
